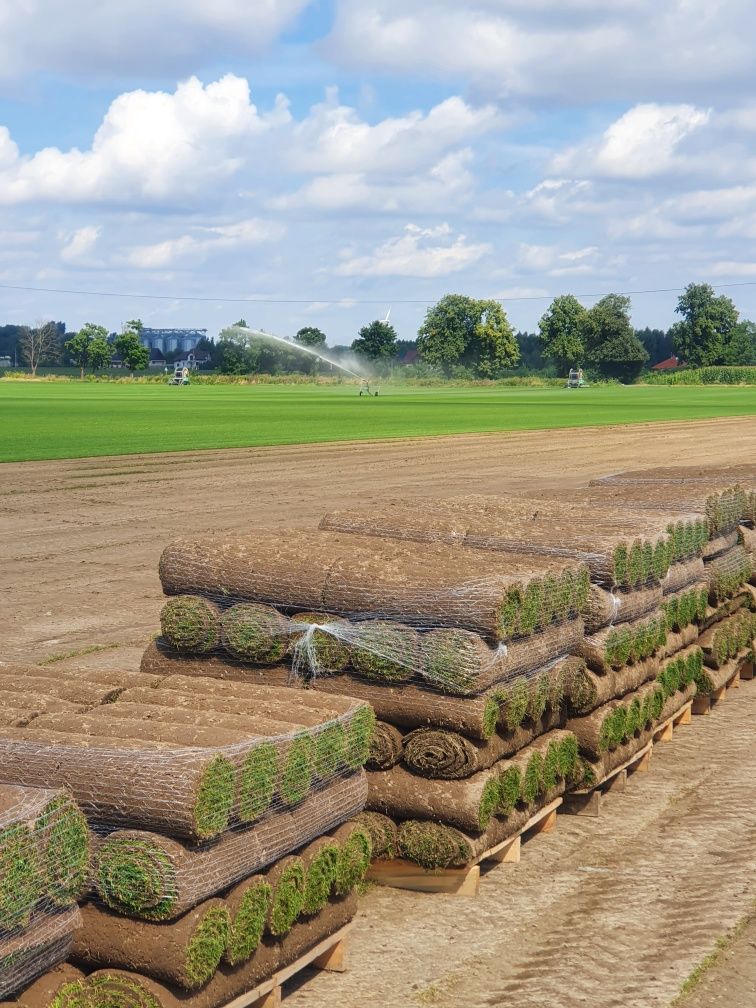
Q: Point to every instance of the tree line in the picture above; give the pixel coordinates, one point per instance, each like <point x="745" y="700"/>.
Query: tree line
<point x="460" y="336"/>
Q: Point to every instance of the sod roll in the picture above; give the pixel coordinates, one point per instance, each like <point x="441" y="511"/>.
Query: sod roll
<point x="725" y="640"/>
<point x="619" y="548"/>
<point x="321" y="860"/>
<point x="689" y="605"/>
<point x="183" y="792"/>
<point x="191" y="624"/>
<point x="185" y="952"/>
<point x="607" y="608"/>
<point x="160" y="659"/>
<point x="468" y="804"/>
<point x="591" y="690"/>
<point x="44" y="944"/>
<point x="113" y="988"/>
<point x="386" y="747"/>
<point x="727" y="573"/>
<point x="420" y="584"/>
<point x="682" y="574"/>
<point x="382" y="831"/>
<point x="152" y="877"/>
<point x="613" y="647"/>
<point x="709" y="680"/>
<point x="248" y="905"/>
<point x="355" y="852"/>
<point x="41" y="993"/>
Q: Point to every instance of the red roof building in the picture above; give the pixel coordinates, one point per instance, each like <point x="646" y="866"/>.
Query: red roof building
<point x="669" y="364"/>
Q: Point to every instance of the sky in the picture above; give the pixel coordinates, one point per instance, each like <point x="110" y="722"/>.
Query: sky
<point x="318" y="163"/>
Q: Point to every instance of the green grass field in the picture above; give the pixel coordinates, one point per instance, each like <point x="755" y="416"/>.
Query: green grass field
<point x="47" y="421"/>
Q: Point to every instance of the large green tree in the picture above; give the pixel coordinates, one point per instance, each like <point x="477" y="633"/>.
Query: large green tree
<point x="376" y="341"/>
<point x="563" y="331"/>
<point x="79" y="347"/>
<point x="310" y="336"/>
<point x="465" y="331"/>
<point x="704" y="332"/>
<point x="741" y="348"/>
<point x="134" y="355"/>
<point x="101" y="353"/>
<point x="611" y="344"/>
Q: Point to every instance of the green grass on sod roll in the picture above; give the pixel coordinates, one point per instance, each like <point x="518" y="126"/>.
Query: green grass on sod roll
<point x="20" y="876"/>
<point x="510" y="788"/>
<point x="257" y="781"/>
<point x="532" y="779"/>
<point x="359" y="731"/>
<point x="330" y="750"/>
<point x="449" y="661"/>
<point x="321" y="878"/>
<point x="215" y="798"/>
<point x="248" y="924"/>
<point x="190" y="624"/>
<point x="489" y="801"/>
<point x="64" y="842"/>
<point x="208" y="943"/>
<point x="568" y="756"/>
<point x="432" y="845"/>
<point x="255" y="633"/>
<point x="384" y="651"/>
<point x="355" y="852"/>
<point x="551" y="773"/>
<point x="287" y="899"/>
<point x="136" y="877"/>
<point x="514" y="699"/>
<point x="296" y="777"/>
<point x="105" y="991"/>
<point x="539" y="696"/>
<point x="330" y="653"/>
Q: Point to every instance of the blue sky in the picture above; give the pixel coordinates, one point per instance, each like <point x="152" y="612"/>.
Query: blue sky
<point x="311" y="157"/>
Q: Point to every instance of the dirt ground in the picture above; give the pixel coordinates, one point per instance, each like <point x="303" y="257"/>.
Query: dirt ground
<point x="605" y="912"/>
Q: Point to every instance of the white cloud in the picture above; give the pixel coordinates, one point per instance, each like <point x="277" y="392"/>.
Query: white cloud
<point x="127" y="38"/>
<point x="550" y="260"/>
<point x="334" y="139"/>
<point x="630" y="50"/>
<point x="449" y="180"/>
<point x="419" y="252"/>
<point x="151" y="146"/>
<point x="640" y="144"/>
<point x="196" y="248"/>
<point x="80" y="244"/>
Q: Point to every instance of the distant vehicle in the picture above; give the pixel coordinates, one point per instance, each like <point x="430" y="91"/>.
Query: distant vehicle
<point x="180" y="376"/>
<point x="575" y="379"/>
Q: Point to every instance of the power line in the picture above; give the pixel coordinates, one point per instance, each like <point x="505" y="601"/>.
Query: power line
<point x="336" y="301"/>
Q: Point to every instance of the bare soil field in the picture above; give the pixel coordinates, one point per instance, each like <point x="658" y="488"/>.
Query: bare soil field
<point x="606" y="912"/>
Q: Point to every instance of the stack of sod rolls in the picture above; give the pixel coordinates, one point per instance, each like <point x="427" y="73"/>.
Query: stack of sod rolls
<point x="463" y="653"/>
<point x="44" y="869"/>
<point x="221" y="814"/>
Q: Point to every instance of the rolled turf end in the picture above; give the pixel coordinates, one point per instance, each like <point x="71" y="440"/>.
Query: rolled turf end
<point x="207" y="945"/>
<point x="136" y="878"/>
<point x="248" y="924"/>
<point x="215" y="798"/>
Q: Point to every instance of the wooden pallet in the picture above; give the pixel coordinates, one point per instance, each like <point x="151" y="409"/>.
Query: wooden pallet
<point x="588" y="801"/>
<point x="666" y="730"/>
<point x="465" y="881"/>
<point x="329" y="954"/>
<point x="703" y="704"/>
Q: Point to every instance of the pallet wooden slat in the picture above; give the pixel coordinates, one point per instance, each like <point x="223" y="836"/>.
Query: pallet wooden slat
<point x="329" y="954"/>
<point x="464" y="881"/>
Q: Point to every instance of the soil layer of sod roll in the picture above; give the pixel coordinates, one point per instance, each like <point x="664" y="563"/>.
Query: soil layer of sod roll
<point x="26" y="954"/>
<point x="607" y="608"/>
<point x="386" y="747"/>
<point x="121" y="989"/>
<point x="383" y="833"/>
<point x="78" y="674"/>
<point x="553" y="529"/>
<point x="682" y="574"/>
<point x="407" y="705"/>
<point x="41" y="993"/>
<point x="461" y="663"/>
<point x="591" y="690"/>
<point x="439" y="845"/>
<point x="468" y="804"/>
<point x="84" y="693"/>
<point x="151" y="877"/>
<point x="159" y="660"/>
<point x="444" y="755"/>
<point x="419" y="584"/>
<point x="185" y="793"/>
<point x="185" y="952"/>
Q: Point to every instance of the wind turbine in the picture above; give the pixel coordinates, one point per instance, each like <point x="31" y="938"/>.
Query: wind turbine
<point x="385" y="321"/>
